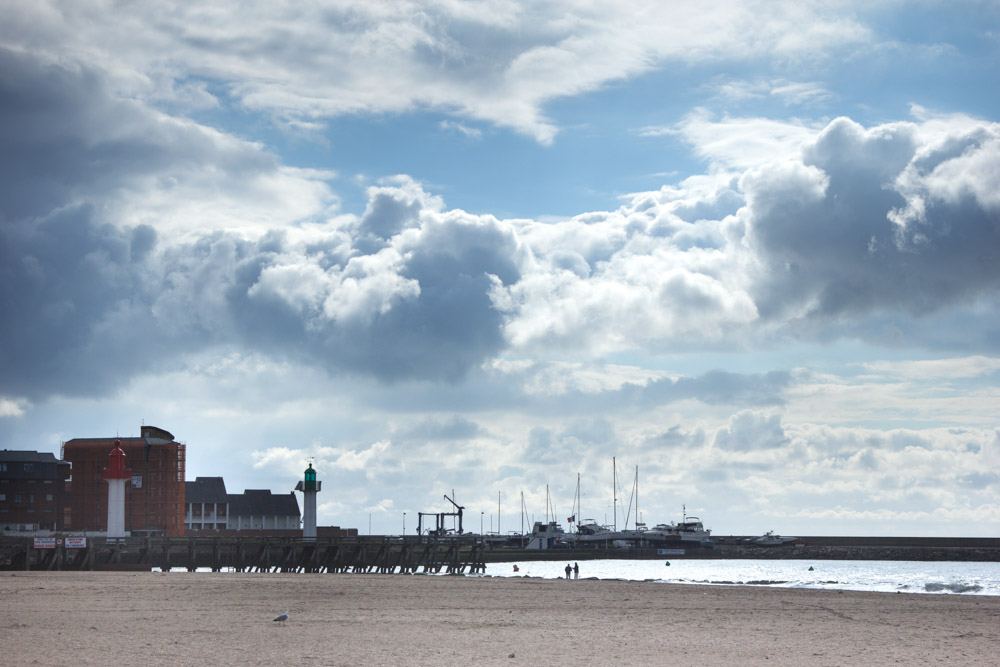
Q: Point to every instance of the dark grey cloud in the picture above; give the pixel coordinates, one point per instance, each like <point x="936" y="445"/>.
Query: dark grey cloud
<point x="484" y="390"/>
<point x="88" y="303"/>
<point x="980" y="480"/>
<point x="750" y="431"/>
<point x="676" y="437"/>
<point x="73" y="300"/>
<point x="389" y="211"/>
<point x="453" y="324"/>
<point x="861" y="226"/>
<point x="453" y="428"/>
<point x="716" y="387"/>
<point x="580" y="440"/>
<point x="438" y="333"/>
<point x="67" y="138"/>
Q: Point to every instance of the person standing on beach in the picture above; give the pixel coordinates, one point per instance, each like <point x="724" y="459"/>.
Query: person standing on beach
<point x="569" y="569"/>
<point x="576" y="570"/>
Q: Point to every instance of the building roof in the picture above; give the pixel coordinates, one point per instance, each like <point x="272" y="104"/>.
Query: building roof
<point x="110" y="442"/>
<point x="205" y="490"/>
<point x="261" y="502"/>
<point x="26" y="456"/>
<point x="149" y="435"/>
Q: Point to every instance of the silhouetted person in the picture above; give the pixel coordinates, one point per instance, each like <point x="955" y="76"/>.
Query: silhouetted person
<point x="569" y="568"/>
<point x="576" y="570"/>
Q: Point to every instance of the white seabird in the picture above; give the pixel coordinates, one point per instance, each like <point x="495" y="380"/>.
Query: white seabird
<point x="282" y="617"/>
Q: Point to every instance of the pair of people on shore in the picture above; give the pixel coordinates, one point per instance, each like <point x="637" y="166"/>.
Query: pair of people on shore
<point x="574" y="569"/>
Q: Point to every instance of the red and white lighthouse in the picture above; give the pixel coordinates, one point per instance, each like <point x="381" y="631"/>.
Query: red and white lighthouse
<point x="116" y="474"/>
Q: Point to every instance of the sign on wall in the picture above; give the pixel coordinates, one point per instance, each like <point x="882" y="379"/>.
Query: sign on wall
<point x="669" y="552"/>
<point x="76" y="542"/>
<point x="45" y="543"/>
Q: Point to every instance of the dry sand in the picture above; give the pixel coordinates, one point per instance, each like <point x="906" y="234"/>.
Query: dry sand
<point x="347" y="619"/>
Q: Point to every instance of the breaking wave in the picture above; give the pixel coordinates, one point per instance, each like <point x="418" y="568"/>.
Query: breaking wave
<point x="953" y="587"/>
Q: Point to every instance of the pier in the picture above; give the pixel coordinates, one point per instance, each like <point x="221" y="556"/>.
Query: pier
<point x="385" y="555"/>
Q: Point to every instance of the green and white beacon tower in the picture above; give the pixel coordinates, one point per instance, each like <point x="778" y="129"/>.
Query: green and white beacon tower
<point x="309" y="488"/>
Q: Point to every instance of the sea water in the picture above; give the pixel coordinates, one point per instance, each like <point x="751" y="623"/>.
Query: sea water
<point x="854" y="575"/>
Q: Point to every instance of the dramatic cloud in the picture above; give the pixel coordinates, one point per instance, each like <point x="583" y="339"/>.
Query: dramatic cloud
<point x="843" y="220"/>
<point x="70" y="140"/>
<point x="500" y="61"/>
<point x="860" y="224"/>
<point x="802" y="324"/>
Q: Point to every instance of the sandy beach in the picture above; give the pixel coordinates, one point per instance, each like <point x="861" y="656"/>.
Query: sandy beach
<point x="201" y="618"/>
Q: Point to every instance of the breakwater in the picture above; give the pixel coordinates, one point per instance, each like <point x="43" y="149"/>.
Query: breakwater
<point x="980" y="549"/>
<point x="450" y="554"/>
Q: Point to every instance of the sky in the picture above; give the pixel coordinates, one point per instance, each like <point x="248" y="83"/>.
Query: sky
<point x="750" y="252"/>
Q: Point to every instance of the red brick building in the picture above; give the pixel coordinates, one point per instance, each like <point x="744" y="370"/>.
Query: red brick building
<point x="154" y="498"/>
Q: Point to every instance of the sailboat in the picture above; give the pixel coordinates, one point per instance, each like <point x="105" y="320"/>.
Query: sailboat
<point x="549" y="534"/>
<point x="589" y="531"/>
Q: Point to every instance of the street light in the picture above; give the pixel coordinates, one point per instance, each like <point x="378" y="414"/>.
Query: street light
<point x="404" y="523"/>
<point x="481" y="514"/>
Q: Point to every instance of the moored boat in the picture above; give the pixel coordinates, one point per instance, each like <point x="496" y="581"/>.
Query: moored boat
<point x="769" y="539"/>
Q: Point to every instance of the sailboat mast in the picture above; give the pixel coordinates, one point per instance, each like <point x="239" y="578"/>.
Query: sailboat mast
<point x="637" y="498"/>
<point x="614" y="490"/>
<point x="522" y="513"/>
<point x="546" y="504"/>
<point x="579" y="510"/>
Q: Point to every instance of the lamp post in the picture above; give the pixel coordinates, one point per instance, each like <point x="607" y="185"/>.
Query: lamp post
<point x="481" y="514"/>
<point x="404" y="523"/>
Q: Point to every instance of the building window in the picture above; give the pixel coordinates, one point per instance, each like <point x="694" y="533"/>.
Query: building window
<point x="17" y="498"/>
<point x="48" y="497"/>
<point x="3" y="497"/>
<point x="28" y="467"/>
<point x="3" y="467"/>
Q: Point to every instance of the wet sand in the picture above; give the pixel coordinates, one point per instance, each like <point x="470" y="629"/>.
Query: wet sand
<point x="347" y="619"/>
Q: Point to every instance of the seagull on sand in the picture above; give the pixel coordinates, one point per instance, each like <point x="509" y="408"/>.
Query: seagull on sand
<point x="281" y="618"/>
